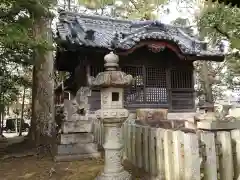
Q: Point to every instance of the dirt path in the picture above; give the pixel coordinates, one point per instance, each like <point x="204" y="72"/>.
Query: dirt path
<point x="21" y="163"/>
<point x="45" y="169"/>
<point x="31" y="168"/>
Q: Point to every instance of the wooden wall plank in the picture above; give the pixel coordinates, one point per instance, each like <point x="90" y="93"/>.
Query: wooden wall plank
<point x="94" y="131"/>
<point x="178" y="155"/>
<point x="146" y="148"/>
<point x="237" y="161"/>
<point x="235" y="134"/>
<point x="129" y="142"/>
<point x="210" y="162"/>
<point x="160" y="154"/>
<point x="139" y="147"/>
<point x="168" y="152"/>
<point x="192" y="160"/>
<point x="100" y="133"/>
<point x="226" y="158"/>
<point x="133" y="144"/>
<point x="152" y="152"/>
<point x="125" y="139"/>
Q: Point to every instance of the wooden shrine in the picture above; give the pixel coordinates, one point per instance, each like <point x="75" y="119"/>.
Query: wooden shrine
<point x="159" y="57"/>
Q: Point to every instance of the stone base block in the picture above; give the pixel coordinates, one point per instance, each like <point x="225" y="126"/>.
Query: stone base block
<point x="235" y="112"/>
<point x="77" y="126"/>
<point x="182" y="116"/>
<point x="132" y="116"/>
<point x="67" y="149"/>
<point x="76" y="157"/>
<point x="190" y="125"/>
<point x="3" y="144"/>
<point x="76" y="138"/>
<point x="146" y="115"/>
<point x="77" y="117"/>
<point x="166" y="124"/>
<point x="124" y="175"/>
<point x="218" y="125"/>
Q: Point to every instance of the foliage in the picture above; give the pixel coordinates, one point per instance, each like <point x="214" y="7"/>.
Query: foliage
<point x="17" y="43"/>
<point x="181" y="22"/>
<point x="129" y="9"/>
<point x="141" y="9"/>
<point x="218" y="22"/>
<point x="12" y="83"/>
<point x="96" y="4"/>
<point x="228" y="2"/>
<point x="234" y="62"/>
<point x="17" y="19"/>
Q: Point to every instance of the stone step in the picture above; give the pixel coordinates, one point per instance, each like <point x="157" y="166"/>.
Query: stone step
<point x="76" y="157"/>
<point x="76" y="138"/>
<point x="77" y="126"/>
<point x="80" y="149"/>
<point x="77" y="117"/>
<point x="3" y="145"/>
<point x="218" y="125"/>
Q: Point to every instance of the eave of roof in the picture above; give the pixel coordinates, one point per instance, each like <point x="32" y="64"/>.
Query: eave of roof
<point x="110" y="33"/>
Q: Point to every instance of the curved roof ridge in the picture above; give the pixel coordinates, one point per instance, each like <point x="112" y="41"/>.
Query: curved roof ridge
<point x="93" y="16"/>
<point x="107" y="32"/>
<point x="188" y="36"/>
<point x="131" y="41"/>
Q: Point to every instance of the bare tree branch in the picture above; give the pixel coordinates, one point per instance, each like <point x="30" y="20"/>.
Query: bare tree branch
<point x="134" y="4"/>
<point x="216" y="27"/>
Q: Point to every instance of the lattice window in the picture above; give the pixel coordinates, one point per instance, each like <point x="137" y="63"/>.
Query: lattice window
<point x="58" y="99"/>
<point x="156" y="85"/>
<point x="150" y="86"/>
<point x="67" y="95"/>
<point x="94" y="70"/>
<point x="182" y="89"/>
<point x="151" y="89"/>
<point x="135" y="93"/>
<point x="181" y="79"/>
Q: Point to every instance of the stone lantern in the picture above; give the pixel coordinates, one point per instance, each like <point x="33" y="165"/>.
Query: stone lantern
<point x="112" y="114"/>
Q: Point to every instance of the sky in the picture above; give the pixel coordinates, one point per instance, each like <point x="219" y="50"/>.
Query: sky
<point x="176" y="10"/>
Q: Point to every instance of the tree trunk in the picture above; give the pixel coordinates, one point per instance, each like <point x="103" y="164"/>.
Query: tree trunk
<point x="22" y="111"/>
<point x="32" y="130"/>
<point x="207" y="86"/>
<point x="2" y="119"/>
<point x="1" y="111"/>
<point x="1" y="123"/>
<point x="43" y="92"/>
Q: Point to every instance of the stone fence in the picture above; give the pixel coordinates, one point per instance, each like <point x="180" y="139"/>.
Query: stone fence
<point x="177" y="154"/>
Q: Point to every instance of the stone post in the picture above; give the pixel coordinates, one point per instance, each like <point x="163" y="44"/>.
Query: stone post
<point x="76" y="140"/>
<point x="112" y="114"/>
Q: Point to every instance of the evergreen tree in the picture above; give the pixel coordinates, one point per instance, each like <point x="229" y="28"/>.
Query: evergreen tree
<point x="219" y="22"/>
<point x="25" y="40"/>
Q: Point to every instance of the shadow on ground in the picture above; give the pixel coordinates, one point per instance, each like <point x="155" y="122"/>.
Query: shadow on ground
<point x="22" y="165"/>
<point x="31" y="168"/>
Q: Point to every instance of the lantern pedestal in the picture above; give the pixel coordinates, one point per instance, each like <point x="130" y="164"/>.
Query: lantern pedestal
<point x="112" y="114"/>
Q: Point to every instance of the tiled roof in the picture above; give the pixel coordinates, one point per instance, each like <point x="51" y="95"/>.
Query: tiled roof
<point x="105" y="32"/>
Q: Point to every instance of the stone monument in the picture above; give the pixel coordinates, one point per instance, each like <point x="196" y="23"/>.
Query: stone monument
<point x="76" y="140"/>
<point x="213" y="121"/>
<point x="112" y="114"/>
